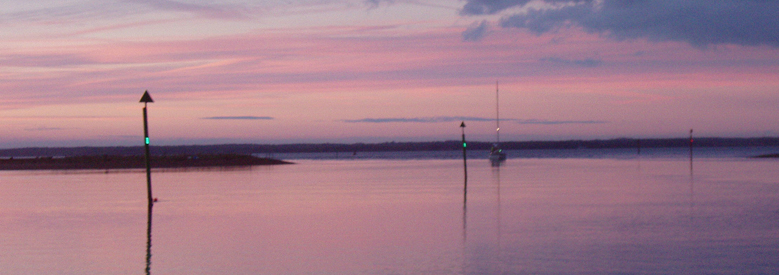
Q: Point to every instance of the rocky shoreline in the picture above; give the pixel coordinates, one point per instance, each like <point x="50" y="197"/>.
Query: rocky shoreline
<point x="130" y="162"/>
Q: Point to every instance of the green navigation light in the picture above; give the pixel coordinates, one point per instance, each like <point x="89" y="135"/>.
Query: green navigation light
<point x="147" y="140"/>
<point x="463" y="144"/>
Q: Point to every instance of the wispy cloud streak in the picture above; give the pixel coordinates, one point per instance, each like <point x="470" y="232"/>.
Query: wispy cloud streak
<point x="417" y="119"/>
<point x="44" y="129"/>
<point x="44" y="60"/>
<point x="207" y="11"/>
<point x="239" y="118"/>
<point x="67" y="13"/>
<point x="556" y="122"/>
<point x="461" y="118"/>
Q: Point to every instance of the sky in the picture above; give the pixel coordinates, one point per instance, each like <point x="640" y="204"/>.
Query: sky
<point x="72" y="72"/>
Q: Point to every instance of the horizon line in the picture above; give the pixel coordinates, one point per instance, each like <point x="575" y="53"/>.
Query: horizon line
<point x="387" y="142"/>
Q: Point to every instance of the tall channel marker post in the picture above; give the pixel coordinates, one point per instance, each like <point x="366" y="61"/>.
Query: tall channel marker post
<point x="146" y="98"/>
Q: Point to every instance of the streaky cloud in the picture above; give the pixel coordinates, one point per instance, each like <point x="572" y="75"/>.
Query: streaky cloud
<point x="44" y="129"/>
<point x="45" y="60"/>
<point x="556" y="122"/>
<point x="701" y="23"/>
<point x="239" y="118"/>
<point x="417" y="119"/>
<point x="372" y="4"/>
<point x="207" y="11"/>
<point x="71" y="13"/>
<point x="66" y="13"/>
<point x="464" y="118"/>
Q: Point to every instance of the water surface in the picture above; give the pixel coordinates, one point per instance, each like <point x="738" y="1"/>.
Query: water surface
<point x="529" y="216"/>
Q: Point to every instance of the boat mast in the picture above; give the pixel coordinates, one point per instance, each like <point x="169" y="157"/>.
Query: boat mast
<point x="497" y="113"/>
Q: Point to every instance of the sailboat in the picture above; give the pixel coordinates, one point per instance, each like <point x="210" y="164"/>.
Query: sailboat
<point x="496" y="154"/>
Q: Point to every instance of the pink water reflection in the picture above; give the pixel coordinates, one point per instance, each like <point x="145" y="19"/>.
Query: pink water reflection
<point x="400" y="217"/>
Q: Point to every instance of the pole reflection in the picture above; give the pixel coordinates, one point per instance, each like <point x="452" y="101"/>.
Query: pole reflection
<point x="496" y="177"/>
<point x="465" y="224"/>
<point x="495" y="162"/>
<point x="465" y="209"/>
<point x="692" y="191"/>
<point x="148" y="240"/>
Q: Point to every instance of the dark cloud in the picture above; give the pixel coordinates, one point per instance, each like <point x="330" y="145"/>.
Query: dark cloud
<point x="460" y="118"/>
<point x="478" y="7"/>
<point x="589" y="62"/>
<point x="239" y="118"/>
<point x="476" y="31"/>
<point x="698" y="22"/>
<point x="481" y="7"/>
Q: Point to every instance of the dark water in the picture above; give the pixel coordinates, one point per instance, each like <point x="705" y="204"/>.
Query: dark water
<point x="594" y="215"/>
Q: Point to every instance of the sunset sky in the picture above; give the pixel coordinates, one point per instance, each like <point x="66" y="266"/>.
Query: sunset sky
<point x="344" y="71"/>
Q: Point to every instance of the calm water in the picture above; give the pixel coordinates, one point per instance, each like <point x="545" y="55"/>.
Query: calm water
<point x="400" y="216"/>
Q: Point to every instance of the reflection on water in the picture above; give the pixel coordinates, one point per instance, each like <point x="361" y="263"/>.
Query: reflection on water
<point x="148" y="240"/>
<point x="527" y="216"/>
<point x="465" y="209"/>
<point x="692" y="192"/>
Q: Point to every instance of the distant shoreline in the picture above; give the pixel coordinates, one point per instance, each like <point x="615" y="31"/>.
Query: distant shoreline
<point x="130" y="162"/>
<point x="267" y="150"/>
<point x="767" y="156"/>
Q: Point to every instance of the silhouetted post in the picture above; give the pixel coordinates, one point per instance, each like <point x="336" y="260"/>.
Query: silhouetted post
<point x="465" y="184"/>
<point x="690" y="144"/>
<point x="690" y="150"/>
<point x="465" y="162"/>
<point x="146" y="98"/>
<point x="638" y="145"/>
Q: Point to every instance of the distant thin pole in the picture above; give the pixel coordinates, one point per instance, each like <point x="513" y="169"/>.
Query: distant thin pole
<point x="497" y="113"/>
<point x="691" y="144"/>
<point x="465" y="182"/>
<point x="148" y="155"/>
<point x="465" y="162"/>
<point x="638" y="145"/>
<point x="691" y="149"/>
